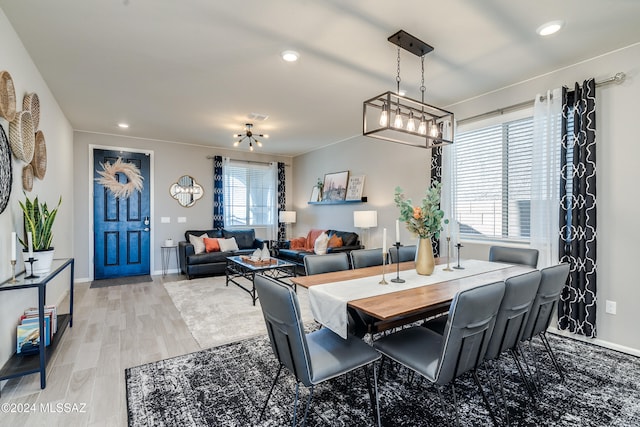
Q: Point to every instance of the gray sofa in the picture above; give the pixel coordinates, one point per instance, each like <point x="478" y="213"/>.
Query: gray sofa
<point x="211" y="263"/>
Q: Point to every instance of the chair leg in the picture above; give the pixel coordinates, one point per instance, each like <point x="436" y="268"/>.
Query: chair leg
<point x="373" y="396"/>
<point x="444" y="406"/>
<point x="484" y="398"/>
<point x="547" y="346"/>
<point x="270" y="391"/>
<point x="525" y="380"/>
<point x="502" y="391"/>
<point x="306" y="411"/>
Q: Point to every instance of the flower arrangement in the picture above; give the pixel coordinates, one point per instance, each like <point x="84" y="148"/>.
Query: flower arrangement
<point x="425" y="219"/>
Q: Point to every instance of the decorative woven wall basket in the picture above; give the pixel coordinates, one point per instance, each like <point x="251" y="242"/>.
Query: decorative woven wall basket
<point x="22" y="137"/>
<point x="39" y="162"/>
<point x="7" y="96"/>
<point x="27" y="178"/>
<point x="31" y="103"/>
<point x="6" y="171"/>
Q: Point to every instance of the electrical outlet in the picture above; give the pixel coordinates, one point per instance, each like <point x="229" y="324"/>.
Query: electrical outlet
<point x="165" y="220"/>
<point x="610" y="307"/>
<point x="182" y="219"/>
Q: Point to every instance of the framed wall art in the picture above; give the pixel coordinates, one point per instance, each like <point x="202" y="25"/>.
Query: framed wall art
<point x="335" y="186"/>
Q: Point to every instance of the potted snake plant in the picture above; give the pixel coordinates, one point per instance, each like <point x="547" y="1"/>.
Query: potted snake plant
<point x="38" y="224"/>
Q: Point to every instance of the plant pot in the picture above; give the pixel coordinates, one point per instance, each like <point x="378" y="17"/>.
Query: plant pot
<point x="42" y="263"/>
<point x="425" y="264"/>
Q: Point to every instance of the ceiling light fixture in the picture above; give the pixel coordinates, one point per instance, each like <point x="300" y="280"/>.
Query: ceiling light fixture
<point x="290" y="55"/>
<point x="550" y="28"/>
<point x="123" y="125"/>
<point x="434" y="125"/>
<point x="249" y="135"/>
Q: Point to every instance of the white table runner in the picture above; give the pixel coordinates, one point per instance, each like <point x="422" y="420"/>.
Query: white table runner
<point x="329" y="301"/>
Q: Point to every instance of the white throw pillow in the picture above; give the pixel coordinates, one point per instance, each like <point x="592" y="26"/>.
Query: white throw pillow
<point x="320" y="246"/>
<point x="197" y="242"/>
<point x="228" y="245"/>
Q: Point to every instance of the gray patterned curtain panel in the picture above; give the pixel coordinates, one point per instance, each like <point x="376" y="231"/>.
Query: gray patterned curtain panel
<point x="577" y="307"/>
<point x="218" y="193"/>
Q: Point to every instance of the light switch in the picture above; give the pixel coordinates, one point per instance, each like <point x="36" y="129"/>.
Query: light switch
<point x="165" y="220"/>
<point x="182" y="219"/>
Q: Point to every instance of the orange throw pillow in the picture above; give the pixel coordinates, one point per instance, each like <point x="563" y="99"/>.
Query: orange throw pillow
<point x="335" y="242"/>
<point x="297" y="243"/>
<point x="211" y="245"/>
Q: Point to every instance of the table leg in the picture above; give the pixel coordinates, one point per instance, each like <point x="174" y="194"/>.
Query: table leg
<point x="43" y="340"/>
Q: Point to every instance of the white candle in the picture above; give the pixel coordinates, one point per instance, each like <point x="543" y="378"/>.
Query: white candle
<point x="384" y="241"/>
<point x="397" y="231"/>
<point x="30" y="244"/>
<point x="13" y="246"/>
<point x="448" y="231"/>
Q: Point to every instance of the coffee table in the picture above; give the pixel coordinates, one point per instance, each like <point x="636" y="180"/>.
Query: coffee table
<point x="241" y="267"/>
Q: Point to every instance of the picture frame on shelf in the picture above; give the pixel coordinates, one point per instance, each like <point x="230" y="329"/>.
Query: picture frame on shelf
<point x="355" y="187"/>
<point x="315" y="194"/>
<point x="335" y="186"/>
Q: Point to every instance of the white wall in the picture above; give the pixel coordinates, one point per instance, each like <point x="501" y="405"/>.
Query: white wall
<point x="387" y="164"/>
<point x="169" y="162"/>
<point x="58" y="181"/>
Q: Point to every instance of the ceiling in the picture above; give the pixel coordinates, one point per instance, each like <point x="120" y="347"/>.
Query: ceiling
<point x="192" y="71"/>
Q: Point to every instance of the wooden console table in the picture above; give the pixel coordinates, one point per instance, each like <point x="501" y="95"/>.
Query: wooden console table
<point x="17" y="365"/>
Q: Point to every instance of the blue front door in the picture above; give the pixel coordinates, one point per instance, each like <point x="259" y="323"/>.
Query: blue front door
<point x="121" y="225"/>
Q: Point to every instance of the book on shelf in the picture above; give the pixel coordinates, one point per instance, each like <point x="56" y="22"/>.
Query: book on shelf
<point x="28" y="336"/>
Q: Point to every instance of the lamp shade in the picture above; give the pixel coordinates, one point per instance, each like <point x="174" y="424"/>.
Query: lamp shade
<point x="287" y="217"/>
<point x="365" y="219"/>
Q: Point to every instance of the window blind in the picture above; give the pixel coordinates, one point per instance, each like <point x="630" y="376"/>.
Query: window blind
<point x="249" y="194"/>
<point x="493" y="181"/>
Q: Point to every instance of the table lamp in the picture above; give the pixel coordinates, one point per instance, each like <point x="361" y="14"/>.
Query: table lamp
<point x="365" y="220"/>
<point x="287" y="217"/>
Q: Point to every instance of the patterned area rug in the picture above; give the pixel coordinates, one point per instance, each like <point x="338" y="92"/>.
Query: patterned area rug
<point x="227" y="385"/>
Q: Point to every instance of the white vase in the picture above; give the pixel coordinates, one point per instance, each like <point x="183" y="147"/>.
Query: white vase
<point x="42" y="263"/>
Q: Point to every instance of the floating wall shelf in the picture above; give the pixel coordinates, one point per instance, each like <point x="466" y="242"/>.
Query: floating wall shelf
<point x="339" y="202"/>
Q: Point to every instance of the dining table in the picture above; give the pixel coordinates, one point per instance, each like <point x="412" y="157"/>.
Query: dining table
<point x="395" y="304"/>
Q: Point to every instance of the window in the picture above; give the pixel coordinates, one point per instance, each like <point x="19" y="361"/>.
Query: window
<point x="493" y="179"/>
<point x="250" y="193"/>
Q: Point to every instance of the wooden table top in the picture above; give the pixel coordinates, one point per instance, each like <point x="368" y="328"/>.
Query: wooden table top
<point x="409" y="301"/>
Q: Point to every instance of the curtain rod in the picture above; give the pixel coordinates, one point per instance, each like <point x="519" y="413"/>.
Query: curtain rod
<point x="618" y="78"/>
<point x="255" y="162"/>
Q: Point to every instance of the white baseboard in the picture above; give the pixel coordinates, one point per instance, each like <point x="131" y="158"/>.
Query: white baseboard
<point x="596" y="341"/>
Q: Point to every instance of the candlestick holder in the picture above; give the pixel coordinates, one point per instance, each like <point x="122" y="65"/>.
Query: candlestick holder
<point x="31" y="260"/>
<point x="397" y="279"/>
<point x="448" y="251"/>
<point x="13" y="271"/>
<point x="383" y="282"/>
<point x="459" y="267"/>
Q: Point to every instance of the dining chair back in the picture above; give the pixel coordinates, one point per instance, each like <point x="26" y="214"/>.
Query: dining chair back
<point x="513" y="313"/>
<point x="327" y="263"/>
<point x="361" y="258"/>
<point x="406" y="253"/>
<point x="552" y="281"/>
<point x="312" y="358"/>
<point x="524" y="256"/>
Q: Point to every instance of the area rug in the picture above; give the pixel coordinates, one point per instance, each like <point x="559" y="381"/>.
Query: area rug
<point x="117" y="281"/>
<point x="227" y="385"/>
<point x="218" y="314"/>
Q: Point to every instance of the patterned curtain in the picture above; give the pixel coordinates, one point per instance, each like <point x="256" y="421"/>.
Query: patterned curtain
<point x="282" y="205"/>
<point x="436" y="176"/>
<point x="218" y="193"/>
<point x="577" y="307"/>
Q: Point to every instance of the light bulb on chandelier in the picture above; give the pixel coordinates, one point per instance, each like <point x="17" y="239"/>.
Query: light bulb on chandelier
<point x="250" y="136"/>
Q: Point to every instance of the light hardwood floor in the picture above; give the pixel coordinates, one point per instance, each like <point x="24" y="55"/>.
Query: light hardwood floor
<point x="114" y="328"/>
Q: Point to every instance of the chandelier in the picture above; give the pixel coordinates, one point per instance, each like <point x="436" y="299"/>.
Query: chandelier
<point x="250" y="136"/>
<point x="397" y="118"/>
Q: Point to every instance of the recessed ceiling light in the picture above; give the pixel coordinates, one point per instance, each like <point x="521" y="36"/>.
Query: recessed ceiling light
<point x="549" y="28"/>
<point x="290" y="55"/>
<point x="123" y="125"/>
<point x="402" y="92"/>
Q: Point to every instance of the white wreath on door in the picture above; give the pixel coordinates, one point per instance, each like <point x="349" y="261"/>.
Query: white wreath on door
<point x="109" y="178"/>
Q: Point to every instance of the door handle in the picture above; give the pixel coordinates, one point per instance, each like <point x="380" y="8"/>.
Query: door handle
<point x="146" y="229"/>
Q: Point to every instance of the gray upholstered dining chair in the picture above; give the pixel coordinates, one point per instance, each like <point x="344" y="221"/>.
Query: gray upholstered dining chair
<point x="552" y="281"/>
<point x="361" y="258"/>
<point x="327" y="263"/>
<point x="524" y="256"/>
<point x="314" y="357"/>
<point x="442" y="358"/>
<point x="407" y="253"/>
